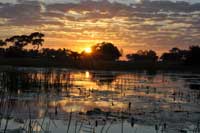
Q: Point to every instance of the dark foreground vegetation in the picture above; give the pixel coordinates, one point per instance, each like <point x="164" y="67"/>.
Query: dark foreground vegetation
<point x="24" y="50"/>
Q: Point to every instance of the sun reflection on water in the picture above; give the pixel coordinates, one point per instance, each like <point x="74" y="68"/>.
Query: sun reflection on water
<point x="80" y="91"/>
<point x="87" y="74"/>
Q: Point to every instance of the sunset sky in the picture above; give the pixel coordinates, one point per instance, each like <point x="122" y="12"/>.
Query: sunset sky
<point x="129" y="24"/>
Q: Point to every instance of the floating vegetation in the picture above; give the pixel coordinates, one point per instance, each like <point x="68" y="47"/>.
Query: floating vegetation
<point x="62" y="100"/>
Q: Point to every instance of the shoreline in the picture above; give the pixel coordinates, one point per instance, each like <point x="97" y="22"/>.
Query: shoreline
<point x="96" y="65"/>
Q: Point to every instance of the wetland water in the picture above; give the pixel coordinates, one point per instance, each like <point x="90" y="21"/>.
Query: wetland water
<point x="77" y="101"/>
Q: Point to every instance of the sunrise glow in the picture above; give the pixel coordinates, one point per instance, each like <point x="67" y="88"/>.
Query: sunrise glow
<point x="88" y="50"/>
<point x="102" y="65"/>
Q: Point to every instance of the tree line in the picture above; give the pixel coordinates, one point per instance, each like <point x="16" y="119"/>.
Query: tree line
<point x="16" y="47"/>
<point x="174" y="55"/>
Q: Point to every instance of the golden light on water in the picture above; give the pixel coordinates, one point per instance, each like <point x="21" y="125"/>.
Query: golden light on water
<point x="87" y="74"/>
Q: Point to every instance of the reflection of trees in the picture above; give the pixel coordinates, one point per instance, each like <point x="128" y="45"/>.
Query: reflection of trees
<point x="12" y="80"/>
<point x="151" y="74"/>
<point x="194" y="86"/>
<point x="103" y="78"/>
<point x="47" y="80"/>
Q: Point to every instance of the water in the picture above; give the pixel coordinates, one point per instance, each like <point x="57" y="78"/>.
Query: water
<point x="73" y="101"/>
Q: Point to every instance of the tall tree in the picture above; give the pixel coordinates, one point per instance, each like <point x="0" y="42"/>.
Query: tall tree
<point x="37" y="39"/>
<point x="19" y="41"/>
<point x="106" y="51"/>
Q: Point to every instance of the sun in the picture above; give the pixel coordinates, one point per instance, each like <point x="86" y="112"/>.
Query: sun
<point x="88" y="50"/>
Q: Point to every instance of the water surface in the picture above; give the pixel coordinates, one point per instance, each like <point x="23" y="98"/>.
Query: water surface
<point x="63" y="100"/>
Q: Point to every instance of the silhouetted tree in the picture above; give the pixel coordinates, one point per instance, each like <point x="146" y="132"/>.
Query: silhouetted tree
<point x="105" y="51"/>
<point x="61" y="54"/>
<point x="13" y="52"/>
<point x="32" y="53"/>
<point x="174" y="55"/>
<point x="143" y="56"/>
<point x="37" y="39"/>
<point x="74" y="55"/>
<point x="193" y="56"/>
<point x="14" y="47"/>
<point x="19" y="41"/>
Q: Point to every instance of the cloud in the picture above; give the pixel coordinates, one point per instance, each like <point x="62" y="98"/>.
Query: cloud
<point x="155" y="24"/>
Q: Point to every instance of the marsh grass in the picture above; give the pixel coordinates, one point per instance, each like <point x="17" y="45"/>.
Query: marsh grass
<point x="46" y="85"/>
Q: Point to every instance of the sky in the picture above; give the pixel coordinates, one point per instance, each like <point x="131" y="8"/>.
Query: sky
<point x="129" y="24"/>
